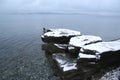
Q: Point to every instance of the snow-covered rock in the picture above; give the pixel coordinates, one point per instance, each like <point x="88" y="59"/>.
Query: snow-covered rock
<point x="80" y="41"/>
<point x="89" y="56"/>
<point x="68" y="68"/>
<point x="102" y="53"/>
<point x="61" y="32"/>
<point x="64" y="63"/>
<point x="102" y="47"/>
<point x="59" y="35"/>
<point x="87" y="59"/>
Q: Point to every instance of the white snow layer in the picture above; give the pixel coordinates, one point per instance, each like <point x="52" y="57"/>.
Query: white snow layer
<point x="80" y="41"/>
<point x="81" y="55"/>
<point x="69" y="66"/>
<point x="103" y="46"/>
<point x="61" y="32"/>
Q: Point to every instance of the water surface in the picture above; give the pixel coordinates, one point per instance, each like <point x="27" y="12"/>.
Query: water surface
<point x="21" y="56"/>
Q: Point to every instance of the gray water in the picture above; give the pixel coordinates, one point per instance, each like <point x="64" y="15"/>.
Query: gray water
<point x="21" y="56"/>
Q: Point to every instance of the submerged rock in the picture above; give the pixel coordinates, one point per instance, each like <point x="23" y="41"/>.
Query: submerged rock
<point x="59" y="35"/>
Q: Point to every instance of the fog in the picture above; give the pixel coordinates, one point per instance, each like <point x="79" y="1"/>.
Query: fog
<point x="59" y="5"/>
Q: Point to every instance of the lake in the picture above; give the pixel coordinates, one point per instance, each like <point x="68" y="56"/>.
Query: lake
<point x="21" y="56"/>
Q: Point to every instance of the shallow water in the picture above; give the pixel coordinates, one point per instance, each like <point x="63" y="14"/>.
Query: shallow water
<point x="21" y="56"/>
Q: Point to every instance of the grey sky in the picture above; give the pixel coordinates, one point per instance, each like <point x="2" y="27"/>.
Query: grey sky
<point x="52" y="5"/>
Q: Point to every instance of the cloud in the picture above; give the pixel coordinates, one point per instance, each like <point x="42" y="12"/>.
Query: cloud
<point x="40" y="5"/>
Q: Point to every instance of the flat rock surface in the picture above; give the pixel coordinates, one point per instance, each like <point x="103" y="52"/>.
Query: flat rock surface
<point x="80" y="41"/>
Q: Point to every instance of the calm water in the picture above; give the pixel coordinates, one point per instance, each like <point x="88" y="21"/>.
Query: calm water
<point x="21" y="57"/>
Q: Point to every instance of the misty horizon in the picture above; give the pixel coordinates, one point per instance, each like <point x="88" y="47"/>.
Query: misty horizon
<point x="55" y="6"/>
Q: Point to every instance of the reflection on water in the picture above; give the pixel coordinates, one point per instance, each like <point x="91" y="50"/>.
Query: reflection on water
<point x="21" y="56"/>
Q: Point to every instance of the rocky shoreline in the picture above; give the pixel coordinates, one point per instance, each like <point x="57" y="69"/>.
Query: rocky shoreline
<point x="80" y="57"/>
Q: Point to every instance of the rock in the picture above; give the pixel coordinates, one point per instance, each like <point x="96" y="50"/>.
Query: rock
<point x="59" y="35"/>
<point x="76" y="57"/>
<point x="69" y="69"/>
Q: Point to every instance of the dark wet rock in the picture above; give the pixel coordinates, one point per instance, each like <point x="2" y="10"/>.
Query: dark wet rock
<point x="73" y="50"/>
<point x="60" y="40"/>
<point x="54" y="48"/>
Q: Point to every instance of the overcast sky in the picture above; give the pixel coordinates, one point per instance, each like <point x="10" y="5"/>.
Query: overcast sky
<point x="58" y="5"/>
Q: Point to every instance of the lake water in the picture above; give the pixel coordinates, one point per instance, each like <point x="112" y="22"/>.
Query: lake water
<point x="21" y="56"/>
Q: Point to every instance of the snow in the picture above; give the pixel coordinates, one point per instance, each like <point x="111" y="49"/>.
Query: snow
<point x="42" y="36"/>
<point x="81" y="55"/>
<point x="103" y="47"/>
<point x="80" y="41"/>
<point x="118" y="40"/>
<point x="60" y="61"/>
<point x="70" y="47"/>
<point x="61" y="32"/>
<point x="61" y="46"/>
